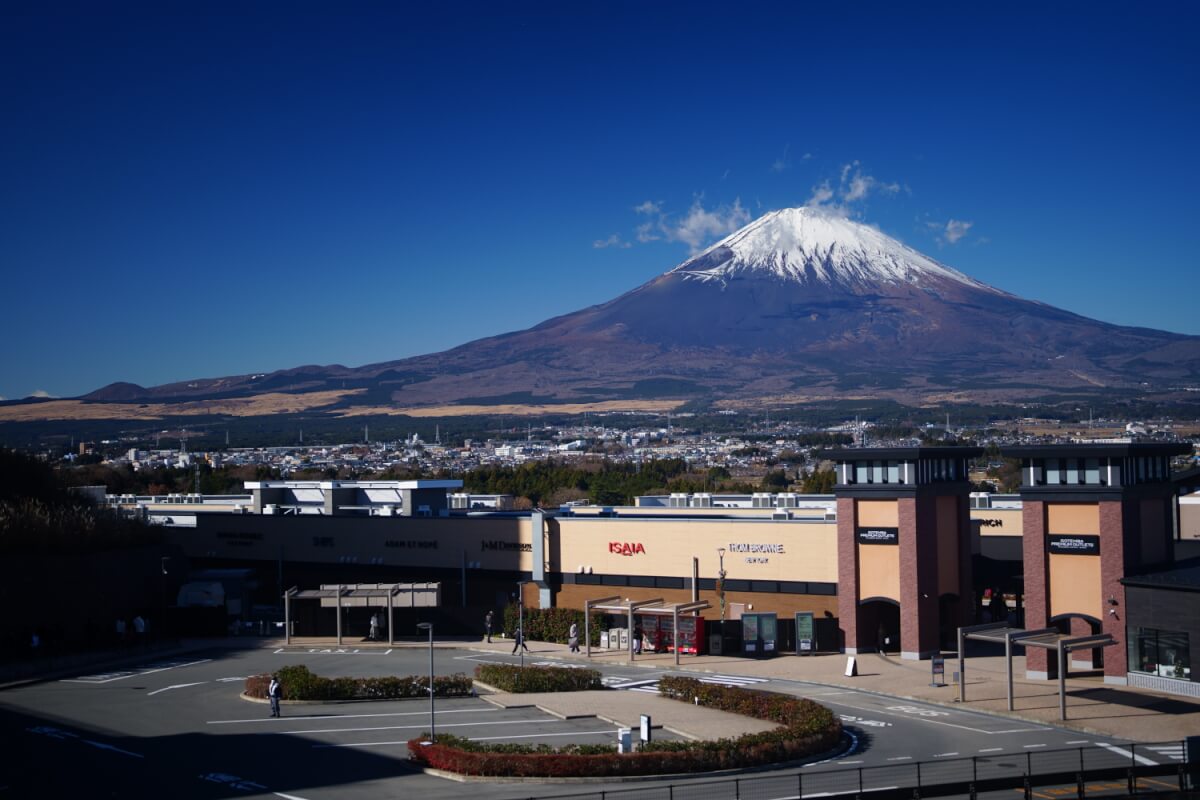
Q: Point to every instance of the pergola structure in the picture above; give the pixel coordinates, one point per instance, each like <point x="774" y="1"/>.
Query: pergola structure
<point x="627" y="607"/>
<point x="1045" y="638"/>
<point x="402" y="595"/>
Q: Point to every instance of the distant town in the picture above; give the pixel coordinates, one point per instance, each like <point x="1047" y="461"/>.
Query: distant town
<point x="771" y="455"/>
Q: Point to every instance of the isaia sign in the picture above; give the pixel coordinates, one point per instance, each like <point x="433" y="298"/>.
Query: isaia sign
<point x="627" y="548"/>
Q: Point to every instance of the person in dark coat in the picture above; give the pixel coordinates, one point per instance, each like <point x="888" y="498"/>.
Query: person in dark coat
<point x="275" y="693"/>
<point x="519" y="641"/>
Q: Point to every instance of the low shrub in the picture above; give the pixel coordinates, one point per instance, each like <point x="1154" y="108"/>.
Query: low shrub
<point x="551" y="624"/>
<point x="808" y="728"/>
<point x="522" y="680"/>
<point x="301" y="684"/>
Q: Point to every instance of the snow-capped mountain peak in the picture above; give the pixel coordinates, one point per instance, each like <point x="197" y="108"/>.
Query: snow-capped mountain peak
<point x="813" y="245"/>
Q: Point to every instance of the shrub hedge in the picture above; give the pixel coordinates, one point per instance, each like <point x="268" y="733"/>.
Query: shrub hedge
<point x="808" y="728"/>
<point x="300" y="684"/>
<point x="511" y="678"/>
<point x="551" y="624"/>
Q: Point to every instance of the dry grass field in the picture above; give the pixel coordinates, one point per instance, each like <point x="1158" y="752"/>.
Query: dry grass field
<point x="261" y="405"/>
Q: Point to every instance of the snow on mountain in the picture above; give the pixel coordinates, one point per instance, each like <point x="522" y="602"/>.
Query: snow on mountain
<point x="813" y="245"/>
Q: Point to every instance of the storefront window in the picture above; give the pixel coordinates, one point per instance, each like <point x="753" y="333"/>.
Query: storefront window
<point x="1162" y="653"/>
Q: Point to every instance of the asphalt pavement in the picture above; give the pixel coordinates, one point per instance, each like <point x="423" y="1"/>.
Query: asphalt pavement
<point x="177" y="727"/>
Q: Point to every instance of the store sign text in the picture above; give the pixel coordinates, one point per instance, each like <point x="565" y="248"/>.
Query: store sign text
<point x="879" y="536"/>
<point x="499" y="544"/>
<point x="627" y="548"/>
<point x="1074" y="544"/>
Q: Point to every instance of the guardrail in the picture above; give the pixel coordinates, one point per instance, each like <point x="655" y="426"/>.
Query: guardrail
<point x="964" y="777"/>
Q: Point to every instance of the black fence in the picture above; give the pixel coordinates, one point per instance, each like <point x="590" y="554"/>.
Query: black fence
<point x="1022" y="771"/>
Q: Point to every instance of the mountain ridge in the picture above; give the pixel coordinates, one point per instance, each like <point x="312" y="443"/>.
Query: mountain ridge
<point x="798" y="300"/>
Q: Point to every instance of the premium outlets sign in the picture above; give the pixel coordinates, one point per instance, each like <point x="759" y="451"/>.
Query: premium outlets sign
<point x="1072" y="544"/>
<point x="877" y="535"/>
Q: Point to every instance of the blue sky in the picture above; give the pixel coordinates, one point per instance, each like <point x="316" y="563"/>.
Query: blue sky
<point x="203" y="189"/>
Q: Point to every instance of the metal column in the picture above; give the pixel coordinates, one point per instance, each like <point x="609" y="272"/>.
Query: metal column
<point x="391" y="605"/>
<point x="339" y="615"/>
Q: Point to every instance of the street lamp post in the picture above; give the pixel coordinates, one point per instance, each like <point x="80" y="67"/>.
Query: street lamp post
<point x="521" y="619"/>
<point x="721" y="580"/>
<point x="162" y="622"/>
<point x="428" y="626"/>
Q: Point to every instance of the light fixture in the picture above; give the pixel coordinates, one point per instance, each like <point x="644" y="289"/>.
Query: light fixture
<point x="1112" y="600"/>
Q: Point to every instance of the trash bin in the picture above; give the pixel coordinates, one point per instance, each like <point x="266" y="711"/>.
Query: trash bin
<point x="715" y="641"/>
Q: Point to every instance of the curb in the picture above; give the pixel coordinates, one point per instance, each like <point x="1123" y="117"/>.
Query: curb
<point x="816" y="758"/>
<point x="1067" y="724"/>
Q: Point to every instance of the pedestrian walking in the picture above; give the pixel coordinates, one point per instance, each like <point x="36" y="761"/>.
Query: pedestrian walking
<point x="139" y="629"/>
<point x="487" y="625"/>
<point x="519" y="641"/>
<point x="638" y="635"/>
<point x="374" y="634"/>
<point x="275" y="692"/>
<point x="573" y="638"/>
<point x="120" y="630"/>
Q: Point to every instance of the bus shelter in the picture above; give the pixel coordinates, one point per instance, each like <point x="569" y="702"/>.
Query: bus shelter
<point x="627" y="607"/>
<point x="394" y="595"/>
<point x="1045" y="638"/>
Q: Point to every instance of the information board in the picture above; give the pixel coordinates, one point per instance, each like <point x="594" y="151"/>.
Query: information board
<point x="804" y="632"/>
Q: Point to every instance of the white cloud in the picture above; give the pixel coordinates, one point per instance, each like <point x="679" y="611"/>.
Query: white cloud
<point x="40" y="393"/>
<point x="853" y="186"/>
<point x="646" y="232"/>
<point x="2" y="398"/>
<point x="956" y="229"/>
<point x="700" y="225"/>
<point x="783" y="162"/>
<point x="697" y="228"/>
<point x="614" y="240"/>
<point x="950" y="231"/>
<point x="821" y="194"/>
<point x="806" y="157"/>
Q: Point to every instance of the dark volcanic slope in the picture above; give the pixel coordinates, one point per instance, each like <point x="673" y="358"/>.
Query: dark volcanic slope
<point x="795" y="300"/>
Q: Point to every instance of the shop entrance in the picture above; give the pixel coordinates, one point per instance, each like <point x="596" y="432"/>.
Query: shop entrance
<point x="948" y="618"/>
<point x="881" y="616"/>
<point x="1080" y="625"/>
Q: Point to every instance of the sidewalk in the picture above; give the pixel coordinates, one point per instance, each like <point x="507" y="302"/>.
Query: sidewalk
<point x="1092" y="706"/>
<point x="625" y="709"/>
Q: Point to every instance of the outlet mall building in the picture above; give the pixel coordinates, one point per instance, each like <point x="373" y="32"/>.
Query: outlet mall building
<point x="899" y="558"/>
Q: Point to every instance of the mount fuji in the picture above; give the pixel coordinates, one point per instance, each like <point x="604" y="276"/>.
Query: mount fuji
<point x="800" y="303"/>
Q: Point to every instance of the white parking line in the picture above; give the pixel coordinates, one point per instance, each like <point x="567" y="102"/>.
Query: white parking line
<point x="991" y="749"/>
<point x="179" y="686"/>
<point x="915" y="718"/>
<point x="835" y="794"/>
<point x="1123" y="752"/>
<point x="525" y="722"/>
<point x="944" y="755"/>
<point x="1032" y="746"/>
<point x="901" y="758"/>
<point x="539" y="735"/>
<point x="275" y="720"/>
<point x="1077" y="741"/>
<point x="136" y="672"/>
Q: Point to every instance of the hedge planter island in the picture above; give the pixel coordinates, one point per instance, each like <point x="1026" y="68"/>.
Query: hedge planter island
<point x="804" y="729"/>
<point x="301" y="685"/>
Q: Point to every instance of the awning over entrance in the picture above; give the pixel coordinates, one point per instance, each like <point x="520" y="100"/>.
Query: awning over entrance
<point x="627" y="607"/>
<point x="1045" y="638"/>
<point x="393" y="595"/>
